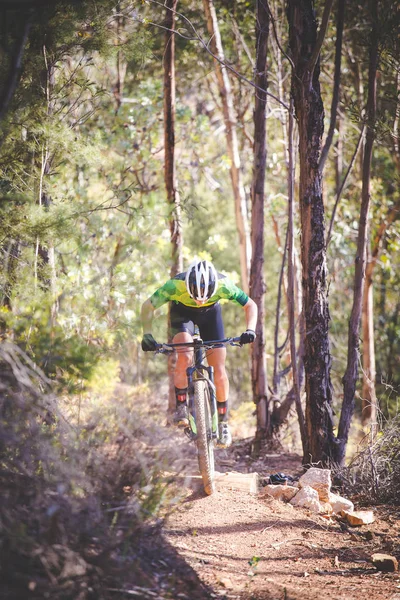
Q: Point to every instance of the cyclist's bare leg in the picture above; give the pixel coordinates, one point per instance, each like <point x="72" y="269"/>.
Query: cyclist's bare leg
<point x="216" y="358"/>
<point x="184" y="359"/>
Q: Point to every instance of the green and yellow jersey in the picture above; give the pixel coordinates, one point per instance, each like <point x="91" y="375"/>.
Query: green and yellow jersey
<point x="174" y="290"/>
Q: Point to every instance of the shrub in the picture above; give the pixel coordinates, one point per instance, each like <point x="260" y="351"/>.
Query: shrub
<point x="374" y="472"/>
<point x="75" y="497"/>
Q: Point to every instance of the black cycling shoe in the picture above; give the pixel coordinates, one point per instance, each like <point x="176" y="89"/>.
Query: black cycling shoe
<point x="280" y="479"/>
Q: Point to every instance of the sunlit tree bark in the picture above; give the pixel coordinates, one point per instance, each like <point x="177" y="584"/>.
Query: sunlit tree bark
<point x="121" y="63"/>
<point x="257" y="281"/>
<point x="296" y="365"/>
<point x="170" y="165"/>
<point x="369" y="400"/>
<point x="351" y="374"/>
<point x="309" y="110"/>
<point x="225" y="91"/>
<point x="46" y="253"/>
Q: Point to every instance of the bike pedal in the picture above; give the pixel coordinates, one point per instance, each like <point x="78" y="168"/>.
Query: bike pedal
<point x="189" y="433"/>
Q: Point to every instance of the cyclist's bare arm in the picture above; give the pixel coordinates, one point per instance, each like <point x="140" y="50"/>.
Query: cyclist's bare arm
<point x="251" y="311"/>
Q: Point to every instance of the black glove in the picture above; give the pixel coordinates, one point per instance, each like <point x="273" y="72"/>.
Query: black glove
<point x="149" y="344"/>
<point x="248" y="337"/>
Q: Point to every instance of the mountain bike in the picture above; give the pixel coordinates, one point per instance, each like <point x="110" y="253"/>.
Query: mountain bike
<point x="202" y="405"/>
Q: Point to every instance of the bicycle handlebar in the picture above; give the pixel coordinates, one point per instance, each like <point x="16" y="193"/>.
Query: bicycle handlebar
<point x="233" y="341"/>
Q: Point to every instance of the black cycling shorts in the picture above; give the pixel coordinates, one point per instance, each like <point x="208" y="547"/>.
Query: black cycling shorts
<point x="208" y="319"/>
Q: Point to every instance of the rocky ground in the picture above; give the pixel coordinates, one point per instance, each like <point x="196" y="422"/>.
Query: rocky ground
<point x="238" y="545"/>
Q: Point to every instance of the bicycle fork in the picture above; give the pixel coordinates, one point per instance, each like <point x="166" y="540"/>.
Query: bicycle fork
<point x="196" y="373"/>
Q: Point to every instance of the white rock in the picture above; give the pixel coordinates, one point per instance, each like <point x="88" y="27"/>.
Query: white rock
<point x="326" y="508"/>
<point x="281" y="492"/>
<point x="339" y="503"/>
<point x="358" y="517"/>
<point x="319" y="480"/>
<point x="307" y="497"/>
<point x="385" y="563"/>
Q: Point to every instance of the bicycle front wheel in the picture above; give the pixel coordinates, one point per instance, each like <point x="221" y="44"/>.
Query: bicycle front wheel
<point x="204" y="442"/>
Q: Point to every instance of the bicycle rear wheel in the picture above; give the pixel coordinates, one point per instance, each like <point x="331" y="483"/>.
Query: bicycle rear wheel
<point x="204" y="441"/>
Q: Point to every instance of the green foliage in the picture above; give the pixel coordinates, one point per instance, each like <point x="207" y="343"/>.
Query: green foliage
<point x="85" y="239"/>
<point x="81" y="174"/>
<point x="66" y="358"/>
<point x="69" y="492"/>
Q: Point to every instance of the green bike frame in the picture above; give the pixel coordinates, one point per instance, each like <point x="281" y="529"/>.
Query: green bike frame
<point x="196" y="372"/>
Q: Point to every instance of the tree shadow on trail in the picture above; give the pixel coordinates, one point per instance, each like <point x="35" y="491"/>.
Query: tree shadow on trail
<point x="249" y="526"/>
<point x="169" y="570"/>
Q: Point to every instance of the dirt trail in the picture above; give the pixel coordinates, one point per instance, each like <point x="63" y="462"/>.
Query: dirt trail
<point x="245" y="546"/>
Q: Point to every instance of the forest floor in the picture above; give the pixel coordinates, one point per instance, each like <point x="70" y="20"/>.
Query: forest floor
<point x="240" y="545"/>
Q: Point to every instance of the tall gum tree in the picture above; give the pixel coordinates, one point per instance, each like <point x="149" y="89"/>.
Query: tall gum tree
<point x="309" y="110"/>
<point x="170" y="165"/>
<point x="257" y="282"/>
<point x="226" y="94"/>
<point x="369" y="398"/>
<point x="351" y="374"/>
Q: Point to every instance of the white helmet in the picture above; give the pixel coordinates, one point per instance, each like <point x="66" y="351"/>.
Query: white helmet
<point x="201" y="280"/>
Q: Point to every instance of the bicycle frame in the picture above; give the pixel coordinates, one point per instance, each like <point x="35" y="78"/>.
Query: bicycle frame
<point x="197" y="371"/>
<point x="203" y="427"/>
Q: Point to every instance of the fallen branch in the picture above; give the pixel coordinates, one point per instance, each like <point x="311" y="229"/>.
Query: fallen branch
<point x="137" y="591"/>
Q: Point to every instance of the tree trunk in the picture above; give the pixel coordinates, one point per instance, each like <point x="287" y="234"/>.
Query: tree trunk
<point x="351" y="374"/>
<point x="310" y="114"/>
<point x="15" y="68"/>
<point x="225" y="91"/>
<point x="368" y="415"/>
<point x="369" y="400"/>
<point x="47" y="252"/>
<point x="276" y="375"/>
<point x="291" y="286"/>
<point x="121" y="64"/>
<point x="170" y="167"/>
<point x="336" y="82"/>
<point x="257" y="282"/>
<point x="11" y="253"/>
<point x="282" y="284"/>
<point x="282" y="407"/>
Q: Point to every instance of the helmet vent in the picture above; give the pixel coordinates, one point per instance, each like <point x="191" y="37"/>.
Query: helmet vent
<point x="201" y="280"/>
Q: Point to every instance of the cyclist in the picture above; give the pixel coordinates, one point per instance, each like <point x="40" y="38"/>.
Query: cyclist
<point x="194" y="296"/>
